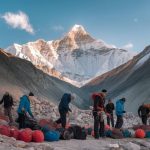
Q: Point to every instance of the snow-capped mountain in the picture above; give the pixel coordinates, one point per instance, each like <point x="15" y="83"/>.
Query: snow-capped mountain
<point x="76" y="58"/>
<point x="130" y="80"/>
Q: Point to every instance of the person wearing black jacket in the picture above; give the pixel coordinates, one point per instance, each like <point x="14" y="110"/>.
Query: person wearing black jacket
<point x="8" y="103"/>
<point x="64" y="108"/>
<point x="109" y="110"/>
<point x="143" y="113"/>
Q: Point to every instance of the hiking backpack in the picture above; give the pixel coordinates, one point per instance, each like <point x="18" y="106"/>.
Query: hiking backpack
<point x="79" y="132"/>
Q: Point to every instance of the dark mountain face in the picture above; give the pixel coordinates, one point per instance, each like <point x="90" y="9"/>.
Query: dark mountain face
<point x="131" y="80"/>
<point x="19" y="76"/>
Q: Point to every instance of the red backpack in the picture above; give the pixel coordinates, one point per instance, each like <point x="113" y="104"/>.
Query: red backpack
<point x="102" y="100"/>
<point x="97" y="94"/>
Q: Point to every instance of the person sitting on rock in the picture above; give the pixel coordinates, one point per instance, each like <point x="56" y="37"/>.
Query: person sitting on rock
<point x="143" y="113"/>
<point x="64" y="108"/>
<point x="119" y="112"/>
<point x="23" y="109"/>
<point x="8" y="103"/>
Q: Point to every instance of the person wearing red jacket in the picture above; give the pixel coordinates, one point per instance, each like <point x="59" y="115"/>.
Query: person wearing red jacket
<point x="98" y="110"/>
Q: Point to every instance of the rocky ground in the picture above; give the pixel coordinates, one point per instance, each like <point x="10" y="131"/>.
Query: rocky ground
<point x="89" y="144"/>
<point x="47" y="110"/>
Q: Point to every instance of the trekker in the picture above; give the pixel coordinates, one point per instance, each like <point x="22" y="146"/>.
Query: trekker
<point x="8" y="103"/>
<point x="24" y="108"/>
<point x="64" y="108"/>
<point x="98" y="113"/>
<point x="109" y="110"/>
<point x="119" y="112"/>
<point x="143" y="113"/>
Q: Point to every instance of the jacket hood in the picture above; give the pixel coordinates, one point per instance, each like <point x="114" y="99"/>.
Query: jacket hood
<point x="24" y="96"/>
<point x="120" y="101"/>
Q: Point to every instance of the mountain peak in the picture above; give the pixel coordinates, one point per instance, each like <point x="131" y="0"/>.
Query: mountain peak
<point x="76" y="38"/>
<point x="78" y="34"/>
<point x="78" y="28"/>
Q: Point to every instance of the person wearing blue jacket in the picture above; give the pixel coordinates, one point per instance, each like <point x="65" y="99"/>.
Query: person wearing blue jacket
<point x="23" y="109"/>
<point x="64" y="108"/>
<point x="119" y="112"/>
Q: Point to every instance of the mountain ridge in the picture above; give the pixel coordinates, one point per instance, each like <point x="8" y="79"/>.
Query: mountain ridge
<point x="69" y="57"/>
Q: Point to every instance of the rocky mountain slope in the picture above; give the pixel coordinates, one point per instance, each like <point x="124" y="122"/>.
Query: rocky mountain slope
<point x="19" y="76"/>
<point x="131" y="80"/>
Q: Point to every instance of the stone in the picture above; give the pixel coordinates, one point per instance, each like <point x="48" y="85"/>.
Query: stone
<point x="131" y="146"/>
<point x="113" y="146"/>
<point x="20" y="144"/>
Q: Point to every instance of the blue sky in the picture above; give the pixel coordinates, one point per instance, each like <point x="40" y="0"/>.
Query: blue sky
<point x="124" y="23"/>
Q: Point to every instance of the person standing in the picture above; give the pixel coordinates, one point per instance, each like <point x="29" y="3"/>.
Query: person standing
<point x="64" y="108"/>
<point x="119" y="112"/>
<point x="98" y="113"/>
<point x="143" y="113"/>
<point x="23" y="109"/>
<point x="109" y="110"/>
<point x="8" y="103"/>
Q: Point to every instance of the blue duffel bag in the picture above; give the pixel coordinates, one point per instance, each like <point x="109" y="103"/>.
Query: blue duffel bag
<point x="51" y="136"/>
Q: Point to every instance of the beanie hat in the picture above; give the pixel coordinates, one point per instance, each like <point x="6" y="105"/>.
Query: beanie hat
<point x="31" y="94"/>
<point x="123" y="99"/>
<point x="104" y="90"/>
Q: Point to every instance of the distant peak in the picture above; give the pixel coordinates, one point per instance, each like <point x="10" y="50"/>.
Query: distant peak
<point x="78" y="28"/>
<point x="15" y="44"/>
<point x="77" y="36"/>
<point x="40" y="40"/>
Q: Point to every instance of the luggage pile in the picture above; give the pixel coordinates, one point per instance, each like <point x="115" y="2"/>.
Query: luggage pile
<point x="140" y="131"/>
<point x="44" y="130"/>
<point x="26" y="135"/>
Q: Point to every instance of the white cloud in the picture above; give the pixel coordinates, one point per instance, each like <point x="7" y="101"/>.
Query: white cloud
<point x="58" y="28"/>
<point x="128" y="46"/>
<point x="18" y="20"/>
